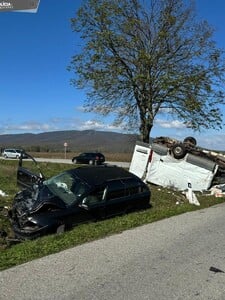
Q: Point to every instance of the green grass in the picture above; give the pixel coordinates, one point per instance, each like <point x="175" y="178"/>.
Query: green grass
<point x="163" y="203"/>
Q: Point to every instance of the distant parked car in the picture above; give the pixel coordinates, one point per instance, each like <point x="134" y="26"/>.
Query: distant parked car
<point x="13" y="153"/>
<point x="74" y="196"/>
<point x="91" y="158"/>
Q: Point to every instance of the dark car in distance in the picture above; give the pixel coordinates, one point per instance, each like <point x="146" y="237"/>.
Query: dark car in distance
<point x="87" y="193"/>
<point x="91" y="158"/>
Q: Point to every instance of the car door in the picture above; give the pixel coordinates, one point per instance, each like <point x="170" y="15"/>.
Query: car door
<point x="12" y="153"/>
<point x="88" y="157"/>
<point x="27" y="177"/>
<point x="83" y="159"/>
<point x="75" y="215"/>
<point x="116" y="200"/>
<point x="137" y="193"/>
<point x="94" y="203"/>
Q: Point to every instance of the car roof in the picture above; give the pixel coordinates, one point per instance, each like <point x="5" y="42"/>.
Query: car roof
<point x="96" y="175"/>
<point x="94" y="153"/>
<point x="12" y="149"/>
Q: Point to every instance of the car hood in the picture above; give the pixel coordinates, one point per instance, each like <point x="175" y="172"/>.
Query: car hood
<point x="39" y="198"/>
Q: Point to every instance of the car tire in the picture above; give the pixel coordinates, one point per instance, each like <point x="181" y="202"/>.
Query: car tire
<point x="5" y="156"/>
<point x="60" y="229"/>
<point x="190" y="140"/>
<point x="179" y="151"/>
<point x="91" y="162"/>
<point x="74" y="161"/>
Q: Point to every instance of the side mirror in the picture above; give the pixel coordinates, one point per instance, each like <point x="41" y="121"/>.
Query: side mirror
<point x="84" y="203"/>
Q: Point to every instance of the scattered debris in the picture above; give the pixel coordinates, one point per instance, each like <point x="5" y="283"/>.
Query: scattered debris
<point x="218" y="190"/>
<point x="3" y="194"/>
<point x="4" y="210"/>
<point x="215" y="270"/>
<point x="190" y="195"/>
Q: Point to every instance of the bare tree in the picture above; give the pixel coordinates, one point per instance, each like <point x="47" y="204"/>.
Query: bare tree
<point x="140" y="59"/>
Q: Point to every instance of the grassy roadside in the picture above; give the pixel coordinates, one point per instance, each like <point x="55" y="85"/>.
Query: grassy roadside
<point x="163" y="201"/>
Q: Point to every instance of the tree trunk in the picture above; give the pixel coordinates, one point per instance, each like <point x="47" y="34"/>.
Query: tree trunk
<point x="145" y="129"/>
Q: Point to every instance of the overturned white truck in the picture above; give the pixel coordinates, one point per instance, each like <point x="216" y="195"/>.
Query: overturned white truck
<point x="171" y="163"/>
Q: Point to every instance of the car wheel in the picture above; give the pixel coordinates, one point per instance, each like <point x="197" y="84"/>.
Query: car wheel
<point x="178" y="151"/>
<point x="74" y="161"/>
<point x="17" y="157"/>
<point x="190" y="140"/>
<point x="60" y="229"/>
<point x="91" y="162"/>
<point x="5" y="156"/>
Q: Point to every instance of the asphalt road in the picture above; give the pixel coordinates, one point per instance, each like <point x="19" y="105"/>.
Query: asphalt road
<point x="168" y="259"/>
<point x="68" y="161"/>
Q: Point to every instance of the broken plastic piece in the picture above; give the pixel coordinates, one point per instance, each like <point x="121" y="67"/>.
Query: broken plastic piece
<point x="190" y="195"/>
<point x="215" y="270"/>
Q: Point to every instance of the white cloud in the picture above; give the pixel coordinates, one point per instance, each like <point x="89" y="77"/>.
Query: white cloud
<point x="55" y="124"/>
<point x="26" y="127"/>
<point x="97" y="125"/>
<point x="169" y="124"/>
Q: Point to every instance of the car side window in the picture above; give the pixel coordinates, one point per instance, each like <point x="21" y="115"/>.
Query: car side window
<point x="97" y="196"/>
<point x="132" y="187"/>
<point x="115" y="190"/>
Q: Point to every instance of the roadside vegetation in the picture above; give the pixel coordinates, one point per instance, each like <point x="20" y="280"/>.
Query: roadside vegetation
<point x="164" y="203"/>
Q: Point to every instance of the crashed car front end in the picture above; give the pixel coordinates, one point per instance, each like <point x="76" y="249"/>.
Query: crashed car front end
<point x="26" y="213"/>
<point x="45" y="206"/>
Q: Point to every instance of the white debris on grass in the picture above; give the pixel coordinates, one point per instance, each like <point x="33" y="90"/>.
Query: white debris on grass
<point x="190" y="195"/>
<point x="218" y="190"/>
<point x="192" y="198"/>
<point x="3" y="194"/>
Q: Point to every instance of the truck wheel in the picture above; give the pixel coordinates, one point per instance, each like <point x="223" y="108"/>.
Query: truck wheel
<point x="178" y="151"/>
<point x="190" y="140"/>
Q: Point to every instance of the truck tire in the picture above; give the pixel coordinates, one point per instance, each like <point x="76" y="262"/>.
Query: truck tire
<point x="201" y="162"/>
<point x="190" y="140"/>
<point x="159" y="149"/>
<point x="178" y="150"/>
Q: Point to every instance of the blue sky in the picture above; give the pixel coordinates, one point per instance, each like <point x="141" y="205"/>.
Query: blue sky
<point x="35" y="92"/>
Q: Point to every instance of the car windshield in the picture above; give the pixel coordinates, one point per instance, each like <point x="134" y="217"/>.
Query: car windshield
<point x="67" y="187"/>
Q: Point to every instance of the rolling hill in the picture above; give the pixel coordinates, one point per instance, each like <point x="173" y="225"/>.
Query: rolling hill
<point x="87" y="140"/>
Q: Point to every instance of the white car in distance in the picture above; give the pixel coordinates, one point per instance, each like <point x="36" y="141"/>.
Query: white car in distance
<point x="12" y="153"/>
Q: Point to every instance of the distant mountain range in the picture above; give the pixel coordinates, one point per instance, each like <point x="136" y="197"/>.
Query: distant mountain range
<point x="87" y="140"/>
